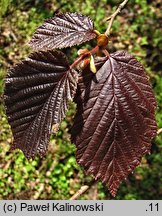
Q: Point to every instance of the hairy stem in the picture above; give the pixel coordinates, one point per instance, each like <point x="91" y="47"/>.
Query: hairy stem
<point x="80" y="58"/>
<point x="112" y="17"/>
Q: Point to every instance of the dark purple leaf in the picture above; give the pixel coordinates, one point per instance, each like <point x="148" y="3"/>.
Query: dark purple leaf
<point x="115" y="119"/>
<point x="37" y="94"/>
<point x="63" y="30"/>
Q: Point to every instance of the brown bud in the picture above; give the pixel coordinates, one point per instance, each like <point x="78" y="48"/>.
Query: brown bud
<point x="84" y="63"/>
<point x="82" y="51"/>
<point x="102" y="40"/>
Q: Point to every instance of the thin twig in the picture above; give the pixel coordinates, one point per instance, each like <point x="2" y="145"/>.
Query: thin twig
<point x="159" y="131"/>
<point x="82" y="190"/>
<point x="112" y="17"/>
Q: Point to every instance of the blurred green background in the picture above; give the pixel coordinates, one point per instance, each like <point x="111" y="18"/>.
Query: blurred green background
<point x="57" y="175"/>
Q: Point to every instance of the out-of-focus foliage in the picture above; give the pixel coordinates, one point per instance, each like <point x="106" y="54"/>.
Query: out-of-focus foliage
<point x="57" y="176"/>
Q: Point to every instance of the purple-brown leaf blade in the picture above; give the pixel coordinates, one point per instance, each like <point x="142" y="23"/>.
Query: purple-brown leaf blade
<point x="37" y="94"/>
<point x="115" y="119"/>
<point x="63" y="30"/>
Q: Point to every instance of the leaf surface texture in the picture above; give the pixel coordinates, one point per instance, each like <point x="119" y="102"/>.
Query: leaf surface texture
<point x="37" y="94"/>
<point x="115" y="119"/>
<point x="63" y="30"/>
